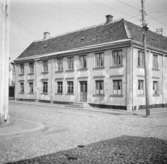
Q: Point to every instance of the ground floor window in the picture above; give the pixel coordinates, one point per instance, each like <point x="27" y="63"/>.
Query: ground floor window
<point x="117" y="87"/>
<point x="21" y="87"/>
<point x="45" y="87"/>
<point x="99" y="87"/>
<point x="59" y="87"/>
<point x="31" y="87"/>
<point x="70" y="87"/>
<point x="155" y="88"/>
<point x="141" y="87"/>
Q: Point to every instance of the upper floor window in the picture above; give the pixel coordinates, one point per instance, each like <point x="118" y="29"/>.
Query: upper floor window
<point x="70" y="62"/>
<point x="21" y="68"/>
<point x="140" y="87"/>
<point x="155" y="88"/>
<point x="45" y="87"/>
<point x="140" y="61"/>
<point x="59" y="87"/>
<point x="99" y="87"/>
<point x="45" y="66"/>
<point x="117" y="58"/>
<point x="117" y="87"/>
<point x="70" y="87"/>
<point x="99" y="60"/>
<point x="31" y="67"/>
<point x="60" y="64"/>
<point x="83" y="62"/>
<point x="21" y="87"/>
<point x="155" y="62"/>
<point x="31" y="87"/>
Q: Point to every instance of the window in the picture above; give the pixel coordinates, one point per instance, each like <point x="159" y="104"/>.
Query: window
<point x="117" y="87"/>
<point x="83" y="62"/>
<point x="70" y="87"/>
<point x="141" y="87"/>
<point x="31" y="87"/>
<point x="21" y="68"/>
<point x="70" y="62"/>
<point x="45" y="66"/>
<point x="155" y="88"/>
<point x="45" y="87"/>
<point x="99" y="60"/>
<point x="117" y="57"/>
<point x="140" y="59"/>
<point x="59" y="64"/>
<point x="59" y="87"/>
<point x="99" y="87"/>
<point x="31" y="67"/>
<point x="155" y="62"/>
<point x="21" y="87"/>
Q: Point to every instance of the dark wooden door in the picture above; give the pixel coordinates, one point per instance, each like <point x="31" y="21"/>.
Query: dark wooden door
<point x="83" y="91"/>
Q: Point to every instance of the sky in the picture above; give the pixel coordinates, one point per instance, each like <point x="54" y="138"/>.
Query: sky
<point x="28" y="19"/>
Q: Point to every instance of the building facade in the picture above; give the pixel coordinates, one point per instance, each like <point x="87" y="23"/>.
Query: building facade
<point x="100" y="66"/>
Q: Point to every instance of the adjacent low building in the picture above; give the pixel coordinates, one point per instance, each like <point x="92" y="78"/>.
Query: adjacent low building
<point x="101" y="65"/>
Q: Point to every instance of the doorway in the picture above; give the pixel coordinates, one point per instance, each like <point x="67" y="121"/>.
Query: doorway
<point x="83" y="91"/>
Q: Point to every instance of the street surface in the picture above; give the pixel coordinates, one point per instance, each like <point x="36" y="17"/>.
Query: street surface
<point x="43" y="129"/>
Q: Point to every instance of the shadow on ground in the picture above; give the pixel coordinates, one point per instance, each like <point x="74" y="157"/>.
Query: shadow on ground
<point x="121" y="150"/>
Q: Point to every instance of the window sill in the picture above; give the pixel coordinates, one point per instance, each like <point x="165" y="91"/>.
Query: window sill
<point x="116" y="95"/>
<point x="60" y="94"/>
<point x="70" y="70"/>
<point x="21" y="74"/>
<point x="101" y="95"/>
<point x="140" y="95"/>
<point x="30" y="73"/>
<point x="156" y="69"/>
<point x="96" y="68"/>
<point x="44" y="72"/>
<point x="156" y="95"/>
<point x="116" y="66"/>
<point x="70" y="94"/>
<point x="59" y="71"/>
<point x="31" y="93"/>
<point x="82" y="69"/>
<point x="44" y="93"/>
<point x="21" y="93"/>
<point x="140" y="67"/>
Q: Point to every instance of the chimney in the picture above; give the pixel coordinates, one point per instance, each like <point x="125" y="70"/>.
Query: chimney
<point x="46" y="35"/>
<point x="109" y="19"/>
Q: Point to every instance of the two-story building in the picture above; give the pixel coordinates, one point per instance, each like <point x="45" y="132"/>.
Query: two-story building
<point x="101" y="65"/>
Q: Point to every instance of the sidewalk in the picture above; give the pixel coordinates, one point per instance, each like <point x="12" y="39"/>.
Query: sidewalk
<point x="141" y="112"/>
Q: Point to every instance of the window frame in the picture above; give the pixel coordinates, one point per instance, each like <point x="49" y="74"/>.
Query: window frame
<point x="45" y="65"/>
<point x="31" y="88"/>
<point x="99" y="60"/>
<point x="31" y="67"/>
<point x="60" y="64"/>
<point x="83" y="61"/>
<point x="140" y="87"/>
<point x="155" y="64"/>
<point x="59" y="87"/>
<point x="157" y="88"/>
<point x="45" y="87"/>
<point x="70" y="87"/>
<point x="22" y="87"/>
<point x="117" y="58"/>
<point x="140" y="59"/>
<point x="70" y="63"/>
<point x="117" y="87"/>
<point x="99" y="87"/>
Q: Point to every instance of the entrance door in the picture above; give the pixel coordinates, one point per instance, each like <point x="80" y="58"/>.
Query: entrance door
<point x="83" y="91"/>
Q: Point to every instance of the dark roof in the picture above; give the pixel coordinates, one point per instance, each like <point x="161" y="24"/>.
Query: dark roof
<point x="94" y="35"/>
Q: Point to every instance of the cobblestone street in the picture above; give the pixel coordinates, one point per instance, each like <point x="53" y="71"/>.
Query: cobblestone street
<point x="43" y="129"/>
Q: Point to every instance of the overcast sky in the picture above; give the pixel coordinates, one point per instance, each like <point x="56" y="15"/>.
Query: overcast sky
<point x="30" y="18"/>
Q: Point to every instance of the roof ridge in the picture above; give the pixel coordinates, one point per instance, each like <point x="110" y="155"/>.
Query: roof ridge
<point x="79" y="30"/>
